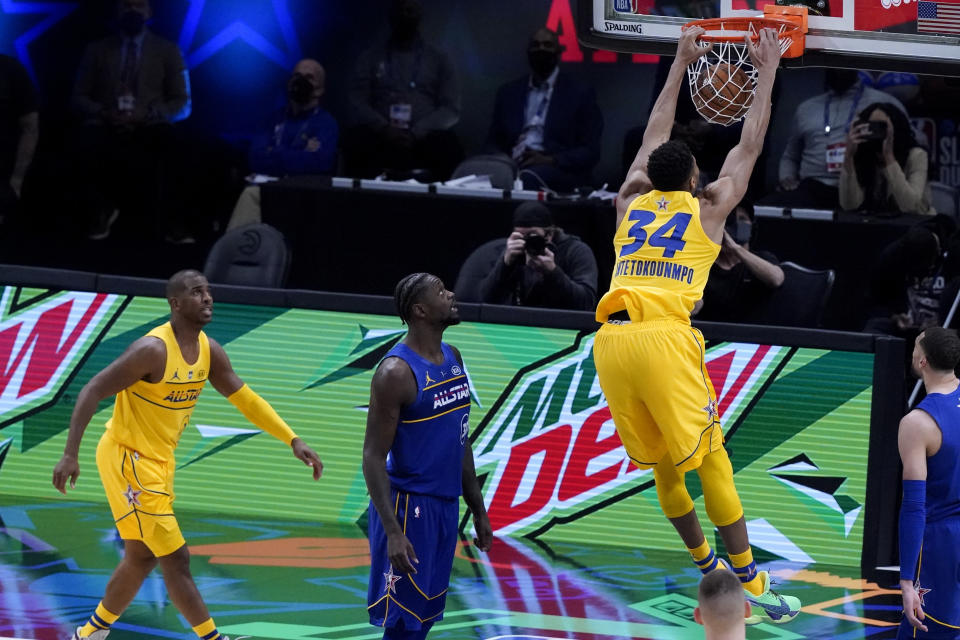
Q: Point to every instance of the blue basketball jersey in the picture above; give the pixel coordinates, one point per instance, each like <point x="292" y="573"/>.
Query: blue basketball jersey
<point x="427" y="452"/>
<point x="943" y="469"/>
<point x="938" y="566"/>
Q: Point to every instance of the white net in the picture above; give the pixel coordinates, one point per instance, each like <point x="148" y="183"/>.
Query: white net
<point x="722" y="82"/>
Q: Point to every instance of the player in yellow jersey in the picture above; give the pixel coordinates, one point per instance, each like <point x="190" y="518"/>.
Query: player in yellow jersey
<point x="649" y="359"/>
<point x="157" y="381"/>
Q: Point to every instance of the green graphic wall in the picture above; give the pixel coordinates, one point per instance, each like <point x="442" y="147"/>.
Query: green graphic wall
<point x="797" y="422"/>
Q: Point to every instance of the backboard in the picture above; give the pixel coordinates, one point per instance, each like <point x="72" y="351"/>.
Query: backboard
<point x="917" y="36"/>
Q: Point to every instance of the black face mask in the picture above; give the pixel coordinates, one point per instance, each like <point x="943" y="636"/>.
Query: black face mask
<point x="839" y="80"/>
<point x="405" y="28"/>
<point x="542" y="62"/>
<point x="300" y="89"/>
<point x="131" y="23"/>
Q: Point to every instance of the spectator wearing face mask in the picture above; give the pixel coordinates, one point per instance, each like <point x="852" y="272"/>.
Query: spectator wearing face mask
<point x="815" y="151"/>
<point x="547" y="121"/>
<point x="131" y="87"/>
<point x="302" y="140"/>
<point x="404" y="103"/>
<point x="740" y="279"/>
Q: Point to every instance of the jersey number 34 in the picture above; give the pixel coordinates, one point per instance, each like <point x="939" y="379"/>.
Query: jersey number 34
<point x="659" y="238"/>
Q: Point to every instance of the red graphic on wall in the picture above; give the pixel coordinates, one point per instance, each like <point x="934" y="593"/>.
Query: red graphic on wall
<point x="874" y="15"/>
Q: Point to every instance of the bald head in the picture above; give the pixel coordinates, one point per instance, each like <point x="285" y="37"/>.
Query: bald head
<point x="181" y="281"/>
<point x="722" y="604"/>
<point x="306" y="85"/>
<point x="544" y="35"/>
<point x="313" y="70"/>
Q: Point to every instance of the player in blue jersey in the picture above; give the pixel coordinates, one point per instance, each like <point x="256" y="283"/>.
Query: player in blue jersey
<point x="417" y="461"/>
<point x="929" y="442"/>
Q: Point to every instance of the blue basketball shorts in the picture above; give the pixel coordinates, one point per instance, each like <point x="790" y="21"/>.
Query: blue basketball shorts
<point x="430" y="524"/>
<point x="939" y="583"/>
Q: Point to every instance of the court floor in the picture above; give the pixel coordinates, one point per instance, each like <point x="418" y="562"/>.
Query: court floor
<point x="296" y="580"/>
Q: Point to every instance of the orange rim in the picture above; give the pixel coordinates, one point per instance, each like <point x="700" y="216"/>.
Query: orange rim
<point x="784" y="28"/>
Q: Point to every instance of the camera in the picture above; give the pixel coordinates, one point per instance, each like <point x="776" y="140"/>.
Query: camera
<point x="876" y="130"/>
<point x="534" y="244"/>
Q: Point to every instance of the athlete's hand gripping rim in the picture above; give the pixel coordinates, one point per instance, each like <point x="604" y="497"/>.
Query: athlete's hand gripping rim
<point x="765" y="54"/>
<point x="912" y="608"/>
<point x="687" y="48"/>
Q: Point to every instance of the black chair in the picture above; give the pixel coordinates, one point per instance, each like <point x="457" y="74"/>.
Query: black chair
<point x="501" y="169"/>
<point x="800" y="300"/>
<point x="945" y="199"/>
<point x="255" y="255"/>
<point x="473" y="270"/>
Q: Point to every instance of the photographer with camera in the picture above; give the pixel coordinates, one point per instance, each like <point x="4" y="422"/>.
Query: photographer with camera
<point x="538" y="265"/>
<point x="884" y="169"/>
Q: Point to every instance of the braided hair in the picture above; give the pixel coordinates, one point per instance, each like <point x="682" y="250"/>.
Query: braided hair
<point x="408" y="291"/>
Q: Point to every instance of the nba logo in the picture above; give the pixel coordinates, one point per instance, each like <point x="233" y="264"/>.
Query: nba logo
<point x="624" y="6"/>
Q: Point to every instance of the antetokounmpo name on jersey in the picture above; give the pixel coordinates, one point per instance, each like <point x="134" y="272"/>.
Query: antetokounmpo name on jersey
<point x="654" y="269"/>
<point x="183" y="395"/>
<point x="453" y="394"/>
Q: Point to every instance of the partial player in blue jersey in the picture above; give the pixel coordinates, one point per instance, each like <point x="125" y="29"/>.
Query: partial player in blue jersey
<point x="929" y="442"/>
<point x="417" y="461"/>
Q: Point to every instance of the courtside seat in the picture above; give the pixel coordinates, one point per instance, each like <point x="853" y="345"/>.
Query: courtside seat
<point x="945" y="199"/>
<point x="255" y="255"/>
<point x="800" y="300"/>
<point x="499" y="167"/>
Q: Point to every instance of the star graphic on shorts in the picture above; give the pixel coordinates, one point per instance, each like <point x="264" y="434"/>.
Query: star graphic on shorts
<point x="921" y="592"/>
<point x="711" y="409"/>
<point x="390" y="581"/>
<point x="662" y="204"/>
<point x="132" y="496"/>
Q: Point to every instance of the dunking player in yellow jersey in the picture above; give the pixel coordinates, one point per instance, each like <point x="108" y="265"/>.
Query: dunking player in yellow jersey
<point x="649" y="359"/>
<point x="157" y="381"/>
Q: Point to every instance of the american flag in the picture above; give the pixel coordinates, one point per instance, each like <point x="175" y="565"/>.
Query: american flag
<point x="938" y="17"/>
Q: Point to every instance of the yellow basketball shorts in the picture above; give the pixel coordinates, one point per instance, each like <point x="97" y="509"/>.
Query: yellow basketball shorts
<point x="655" y="380"/>
<point x="140" y="493"/>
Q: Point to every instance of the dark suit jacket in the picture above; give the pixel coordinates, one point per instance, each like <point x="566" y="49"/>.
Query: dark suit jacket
<point x="162" y="83"/>
<point x="572" y="129"/>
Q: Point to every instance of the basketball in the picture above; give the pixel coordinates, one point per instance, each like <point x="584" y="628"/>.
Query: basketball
<point x="722" y="93"/>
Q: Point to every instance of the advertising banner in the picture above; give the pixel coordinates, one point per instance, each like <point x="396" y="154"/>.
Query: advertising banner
<point x="797" y="422"/>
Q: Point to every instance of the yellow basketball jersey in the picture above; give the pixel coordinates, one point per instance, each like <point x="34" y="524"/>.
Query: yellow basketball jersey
<point x="663" y="259"/>
<point x="149" y="417"/>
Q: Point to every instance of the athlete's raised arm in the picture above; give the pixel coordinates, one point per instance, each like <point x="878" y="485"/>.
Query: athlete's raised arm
<point x="720" y="197"/>
<point x="143" y="360"/>
<point x="661" y="119"/>
<point x="393" y="387"/>
<point x="257" y="410"/>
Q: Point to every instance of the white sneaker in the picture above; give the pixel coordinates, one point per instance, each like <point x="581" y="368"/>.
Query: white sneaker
<point x="96" y="635"/>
